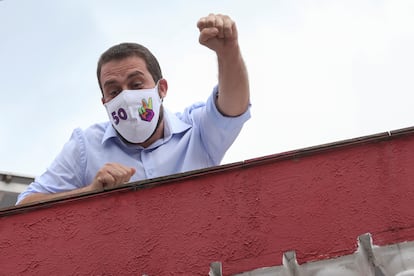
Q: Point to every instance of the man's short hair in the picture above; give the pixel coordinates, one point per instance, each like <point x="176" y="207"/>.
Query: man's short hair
<point x="125" y="50"/>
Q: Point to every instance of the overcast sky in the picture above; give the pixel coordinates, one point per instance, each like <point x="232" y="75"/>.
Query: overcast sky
<point x="321" y="71"/>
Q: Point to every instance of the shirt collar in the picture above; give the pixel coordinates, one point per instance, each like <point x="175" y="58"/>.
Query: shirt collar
<point x="110" y="132"/>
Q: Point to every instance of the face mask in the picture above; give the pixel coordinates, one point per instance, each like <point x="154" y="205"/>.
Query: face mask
<point x="135" y="113"/>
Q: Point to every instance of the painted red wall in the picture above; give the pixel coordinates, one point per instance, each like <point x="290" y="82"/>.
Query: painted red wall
<point x="316" y="201"/>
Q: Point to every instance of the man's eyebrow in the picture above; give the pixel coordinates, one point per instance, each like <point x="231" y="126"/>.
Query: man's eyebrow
<point x="130" y="76"/>
<point x="109" y="82"/>
<point x="135" y="74"/>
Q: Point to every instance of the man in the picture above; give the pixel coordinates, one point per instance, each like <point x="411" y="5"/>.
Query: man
<point x="144" y="140"/>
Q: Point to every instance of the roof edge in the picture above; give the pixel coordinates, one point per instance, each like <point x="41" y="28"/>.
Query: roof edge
<point x="148" y="183"/>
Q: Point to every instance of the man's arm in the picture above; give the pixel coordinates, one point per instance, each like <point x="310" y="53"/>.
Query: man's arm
<point x="36" y="197"/>
<point x="110" y="175"/>
<point x="219" y="33"/>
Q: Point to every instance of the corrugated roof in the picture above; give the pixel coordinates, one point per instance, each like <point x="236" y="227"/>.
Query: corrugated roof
<point x="368" y="260"/>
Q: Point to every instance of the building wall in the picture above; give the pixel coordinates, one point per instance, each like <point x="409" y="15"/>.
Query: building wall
<point x="11" y="185"/>
<point x="315" y="201"/>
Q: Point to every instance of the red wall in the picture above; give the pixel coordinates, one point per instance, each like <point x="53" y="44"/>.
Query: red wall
<point x="316" y="201"/>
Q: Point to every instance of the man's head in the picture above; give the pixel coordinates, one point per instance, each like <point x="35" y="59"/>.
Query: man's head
<point x="125" y="50"/>
<point x="132" y="67"/>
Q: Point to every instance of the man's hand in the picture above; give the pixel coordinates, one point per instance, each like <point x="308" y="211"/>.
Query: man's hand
<point x="111" y="175"/>
<point x="218" y="32"/>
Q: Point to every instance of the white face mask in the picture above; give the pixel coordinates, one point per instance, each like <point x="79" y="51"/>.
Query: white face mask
<point x="135" y="113"/>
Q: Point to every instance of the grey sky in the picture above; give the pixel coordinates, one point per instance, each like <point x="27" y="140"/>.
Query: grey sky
<point x="320" y="71"/>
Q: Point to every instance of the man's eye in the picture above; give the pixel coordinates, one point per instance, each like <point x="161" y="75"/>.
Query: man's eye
<point x="114" y="93"/>
<point x="136" y="85"/>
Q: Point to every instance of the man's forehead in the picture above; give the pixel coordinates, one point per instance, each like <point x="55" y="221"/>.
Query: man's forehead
<point x="124" y="67"/>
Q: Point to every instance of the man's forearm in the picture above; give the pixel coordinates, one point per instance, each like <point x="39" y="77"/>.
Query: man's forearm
<point x="110" y="175"/>
<point x="37" y="197"/>
<point x="234" y="89"/>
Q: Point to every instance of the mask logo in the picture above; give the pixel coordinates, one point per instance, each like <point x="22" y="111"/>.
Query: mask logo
<point x="145" y="111"/>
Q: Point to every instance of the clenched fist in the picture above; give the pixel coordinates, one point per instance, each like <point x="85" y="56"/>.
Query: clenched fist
<point x="111" y="175"/>
<point x="218" y="32"/>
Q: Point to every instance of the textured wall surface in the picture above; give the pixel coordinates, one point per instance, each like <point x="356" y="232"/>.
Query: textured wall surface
<point x="315" y="201"/>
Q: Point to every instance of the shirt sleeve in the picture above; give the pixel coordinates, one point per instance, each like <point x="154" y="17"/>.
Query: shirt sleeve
<point x="65" y="173"/>
<point x="218" y="132"/>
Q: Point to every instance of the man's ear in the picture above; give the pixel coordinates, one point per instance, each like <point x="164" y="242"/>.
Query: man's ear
<point x="162" y="88"/>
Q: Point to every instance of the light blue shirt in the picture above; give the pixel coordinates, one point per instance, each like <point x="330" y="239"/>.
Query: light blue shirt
<point x="197" y="138"/>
